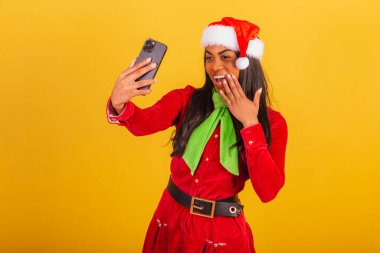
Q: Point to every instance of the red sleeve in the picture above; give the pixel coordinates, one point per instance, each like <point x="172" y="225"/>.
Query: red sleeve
<point x="266" y="166"/>
<point x="163" y="114"/>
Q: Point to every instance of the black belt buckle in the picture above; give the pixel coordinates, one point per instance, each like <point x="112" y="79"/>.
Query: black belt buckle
<point x="202" y="207"/>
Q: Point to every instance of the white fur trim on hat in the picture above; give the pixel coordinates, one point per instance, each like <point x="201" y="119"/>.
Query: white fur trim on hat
<point x="220" y="35"/>
<point x="255" y="48"/>
<point x="226" y="36"/>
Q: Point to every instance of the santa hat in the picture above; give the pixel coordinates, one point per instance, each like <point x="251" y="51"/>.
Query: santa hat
<point x="237" y="35"/>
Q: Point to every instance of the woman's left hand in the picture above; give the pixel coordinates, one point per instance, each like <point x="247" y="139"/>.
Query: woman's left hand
<point x="240" y="106"/>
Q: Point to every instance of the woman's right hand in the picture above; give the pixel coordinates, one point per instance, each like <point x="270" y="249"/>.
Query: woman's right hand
<point x="126" y="86"/>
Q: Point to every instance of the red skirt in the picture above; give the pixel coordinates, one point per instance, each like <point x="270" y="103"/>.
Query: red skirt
<point x="174" y="230"/>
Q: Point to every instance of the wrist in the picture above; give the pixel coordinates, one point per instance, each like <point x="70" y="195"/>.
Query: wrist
<point x="118" y="108"/>
<point x="251" y="122"/>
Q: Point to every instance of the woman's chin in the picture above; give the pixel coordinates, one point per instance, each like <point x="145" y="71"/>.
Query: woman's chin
<point x="218" y="86"/>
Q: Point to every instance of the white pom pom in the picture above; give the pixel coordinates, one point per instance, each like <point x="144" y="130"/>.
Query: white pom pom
<point x="242" y="63"/>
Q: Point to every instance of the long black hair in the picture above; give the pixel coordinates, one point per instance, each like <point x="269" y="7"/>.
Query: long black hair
<point x="201" y="106"/>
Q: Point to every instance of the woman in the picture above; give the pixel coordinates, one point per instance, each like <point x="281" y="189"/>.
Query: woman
<point x="225" y="135"/>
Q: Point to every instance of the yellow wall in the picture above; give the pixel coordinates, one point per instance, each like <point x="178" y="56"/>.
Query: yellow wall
<point x="71" y="182"/>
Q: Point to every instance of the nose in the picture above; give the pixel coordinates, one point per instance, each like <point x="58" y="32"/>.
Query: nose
<point x="217" y="65"/>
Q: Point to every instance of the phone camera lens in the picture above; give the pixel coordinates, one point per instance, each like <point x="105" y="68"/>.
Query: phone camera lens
<point x="149" y="45"/>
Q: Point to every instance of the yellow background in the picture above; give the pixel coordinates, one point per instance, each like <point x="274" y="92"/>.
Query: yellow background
<point x="71" y="182"/>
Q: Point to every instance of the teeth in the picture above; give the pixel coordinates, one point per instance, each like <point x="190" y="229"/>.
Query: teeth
<point x="219" y="78"/>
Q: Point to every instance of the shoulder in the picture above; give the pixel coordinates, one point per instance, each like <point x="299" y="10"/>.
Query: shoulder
<point x="185" y="92"/>
<point x="274" y="115"/>
<point x="179" y="99"/>
<point x="188" y="90"/>
<point x="179" y="95"/>
<point x="276" y="120"/>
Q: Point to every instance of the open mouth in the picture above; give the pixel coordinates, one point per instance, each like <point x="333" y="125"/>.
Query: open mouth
<point x="219" y="79"/>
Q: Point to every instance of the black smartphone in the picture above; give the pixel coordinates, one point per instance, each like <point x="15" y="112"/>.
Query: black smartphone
<point x="156" y="50"/>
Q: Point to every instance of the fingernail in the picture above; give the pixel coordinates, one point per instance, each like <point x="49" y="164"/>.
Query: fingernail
<point x="149" y="59"/>
<point x="233" y="76"/>
<point x="260" y="90"/>
<point x="153" y="65"/>
<point x="228" y="75"/>
<point x="155" y="80"/>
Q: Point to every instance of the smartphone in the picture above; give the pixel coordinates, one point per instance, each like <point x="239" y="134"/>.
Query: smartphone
<point x="156" y="50"/>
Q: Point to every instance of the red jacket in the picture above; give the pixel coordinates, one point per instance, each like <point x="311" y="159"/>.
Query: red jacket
<point x="211" y="180"/>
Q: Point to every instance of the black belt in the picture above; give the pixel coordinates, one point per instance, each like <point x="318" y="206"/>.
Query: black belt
<point x="205" y="207"/>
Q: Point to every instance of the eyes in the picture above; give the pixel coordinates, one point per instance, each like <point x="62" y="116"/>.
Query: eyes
<point x="223" y="57"/>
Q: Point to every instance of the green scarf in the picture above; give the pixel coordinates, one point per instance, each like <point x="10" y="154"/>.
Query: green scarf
<point x="202" y="133"/>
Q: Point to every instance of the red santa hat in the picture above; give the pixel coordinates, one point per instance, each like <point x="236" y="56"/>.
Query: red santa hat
<point x="237" y="35"/>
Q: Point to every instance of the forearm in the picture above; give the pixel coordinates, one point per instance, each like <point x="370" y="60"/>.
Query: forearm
<point x="158" y="117"/>
<point x="265" y="165"/>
